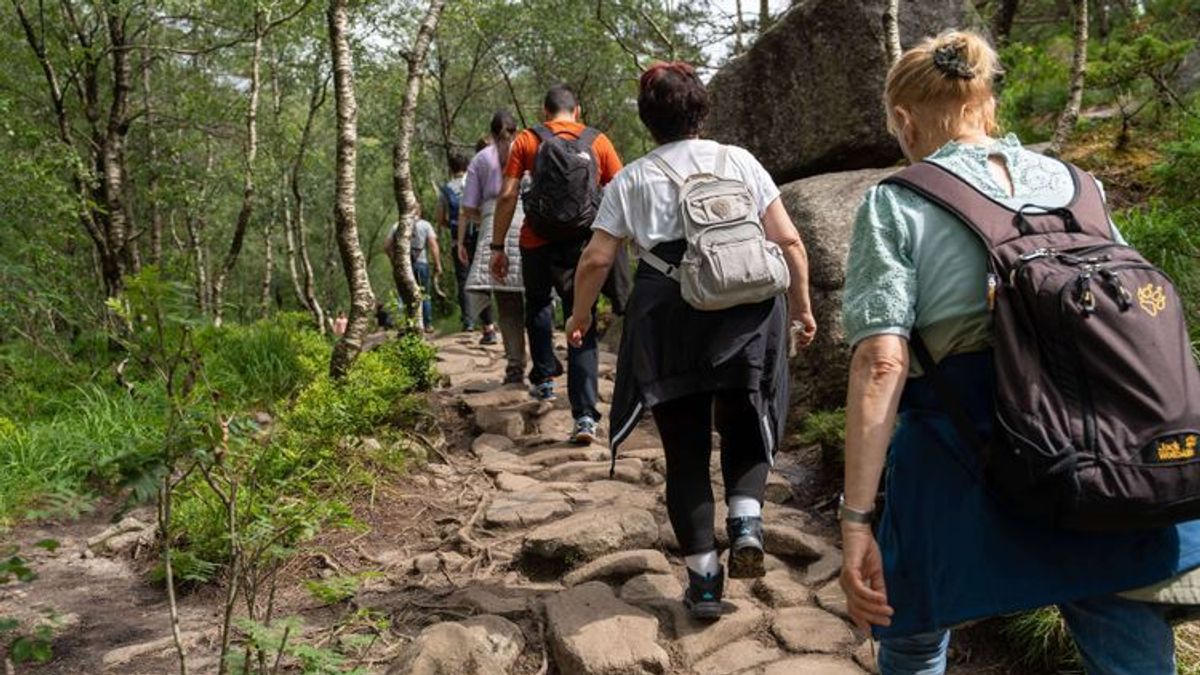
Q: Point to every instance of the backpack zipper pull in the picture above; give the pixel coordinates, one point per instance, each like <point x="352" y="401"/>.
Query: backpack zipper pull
<point x="1084" y="294"/>
<point x="1120" y="294"/>
<point x="993" y="285"/>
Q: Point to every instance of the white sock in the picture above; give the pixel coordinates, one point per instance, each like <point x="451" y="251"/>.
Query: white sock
<point x="704" y="564"/>
<point x="741" y="506"/>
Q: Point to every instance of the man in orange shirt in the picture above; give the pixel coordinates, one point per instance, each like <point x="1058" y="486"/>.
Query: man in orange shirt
<point x="569" y="162"/>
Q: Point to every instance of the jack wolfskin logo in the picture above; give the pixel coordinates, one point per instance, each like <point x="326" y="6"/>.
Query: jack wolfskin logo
<point x="1171" y="451"/>
<point x="1152" y="299"/>
<point x="721" y="208"/>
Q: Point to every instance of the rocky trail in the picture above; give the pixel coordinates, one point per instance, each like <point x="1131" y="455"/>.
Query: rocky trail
<point x="509" y="551"/>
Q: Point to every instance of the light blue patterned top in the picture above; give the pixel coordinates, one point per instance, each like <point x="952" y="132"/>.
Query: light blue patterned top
<point x="912" y="263"/>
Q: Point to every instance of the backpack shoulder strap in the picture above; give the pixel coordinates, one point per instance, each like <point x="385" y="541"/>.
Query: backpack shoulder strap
<point x="543" y="133"/>
<point x="992" y="221"/>
<point x="1088" y="207"/>
<point x="667" y="169"/>
<point x="588" y="136"/>
<point x="722" y="160"/>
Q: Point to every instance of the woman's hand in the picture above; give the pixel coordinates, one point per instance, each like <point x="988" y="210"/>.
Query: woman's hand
<point x="804" y="328"/>
<point x="462" y="254"/>
<point x="577" y="328"/>
<point x="499" y="265"/>
<point x="862" y="577"/>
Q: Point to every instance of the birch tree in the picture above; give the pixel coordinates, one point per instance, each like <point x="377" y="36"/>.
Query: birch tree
<point x="1070" y="114"/>
<point x="362" y="300"/>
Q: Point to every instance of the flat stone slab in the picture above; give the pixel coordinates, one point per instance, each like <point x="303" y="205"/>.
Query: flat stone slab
<point x="497" y="398"/>
<point x="813" y="665"/>
<point x="525" y="509"/>
<point x="489" y="443"/>
<point x="496" y="463"/>
<point x="831" y="598"/>
<point x="591" y="632"/>
<point x="737" y="657"/>
<point x="652" y="589"/>
<point x="808" y="629"/>
<point x="779" y="489"/>
<point x="591" y="534"/>
<point x="779" y="589"/>
<point x="697" y="639"/>
<point x="828" y="567"/>
<point x="785" y="540"/>
<point x="619" y="566"/>
<point x="511" y="482"/>
<point x="557" y="456"/>
<point x="627" y="470"/>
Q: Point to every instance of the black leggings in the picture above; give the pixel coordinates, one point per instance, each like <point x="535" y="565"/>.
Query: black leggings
<point x="685" y="426"/>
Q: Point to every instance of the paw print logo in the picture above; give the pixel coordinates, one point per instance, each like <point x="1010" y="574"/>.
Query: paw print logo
<point x="1152" y="299"/>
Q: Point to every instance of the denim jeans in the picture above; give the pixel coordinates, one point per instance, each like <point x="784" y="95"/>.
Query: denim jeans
<point x="1115" y="636"/>
<point x="548" y="268"/>
<point x="421" y="272"/>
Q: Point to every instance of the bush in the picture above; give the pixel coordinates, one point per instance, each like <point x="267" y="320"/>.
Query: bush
<point x="826" y="428"/>
<point x="1179" y="173"/>
<point x="264" y="362"/>
<point x="1034" y="89"/>
<point x="1168" y="237"/>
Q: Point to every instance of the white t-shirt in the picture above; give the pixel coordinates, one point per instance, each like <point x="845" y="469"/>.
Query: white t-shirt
<point x="642" y="203"/>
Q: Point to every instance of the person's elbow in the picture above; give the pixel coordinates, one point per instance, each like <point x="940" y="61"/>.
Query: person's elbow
<point x="881" y="359"/>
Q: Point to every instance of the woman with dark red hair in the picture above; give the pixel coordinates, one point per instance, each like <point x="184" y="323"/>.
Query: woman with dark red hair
<point x="693" y="368"/>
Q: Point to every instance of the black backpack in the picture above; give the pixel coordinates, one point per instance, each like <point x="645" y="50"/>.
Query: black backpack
<point x="564" y="193"/>
<point x="1097" y="417"/>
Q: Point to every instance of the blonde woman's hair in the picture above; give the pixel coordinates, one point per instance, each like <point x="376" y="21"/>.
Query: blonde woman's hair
<point x="945" y="81"/>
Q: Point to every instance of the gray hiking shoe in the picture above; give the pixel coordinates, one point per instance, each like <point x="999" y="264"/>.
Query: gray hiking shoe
<point x="745" y="547"/>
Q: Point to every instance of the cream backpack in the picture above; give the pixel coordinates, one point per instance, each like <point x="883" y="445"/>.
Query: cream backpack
<point x="728" y="261"/>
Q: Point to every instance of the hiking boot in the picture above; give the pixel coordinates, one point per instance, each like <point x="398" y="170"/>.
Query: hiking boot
<point x="489" y="338"/>
<point x="585" y="431"/>
<point x="543" y="391"/>
<point x="745" y="547"/>
<point x="703" y="595"/>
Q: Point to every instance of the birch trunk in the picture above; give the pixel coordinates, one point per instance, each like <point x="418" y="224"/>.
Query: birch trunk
<point x="402" y="184"/>
<point x="248" y="189"/>
<point x="1070" y="114"/>
<point x="891" y="29"/>
<point x="362" y="300"/>
<point x="152" y="182"/>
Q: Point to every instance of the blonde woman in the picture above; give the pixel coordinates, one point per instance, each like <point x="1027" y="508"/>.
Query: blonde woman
<point x="944" y="551"/>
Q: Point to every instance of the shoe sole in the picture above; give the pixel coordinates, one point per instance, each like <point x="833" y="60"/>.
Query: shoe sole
<point x="705" y="611"/>
<point x="746" y="563"/>
<point x="583" y="439"/>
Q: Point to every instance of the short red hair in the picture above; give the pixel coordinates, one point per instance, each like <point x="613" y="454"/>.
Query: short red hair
<point x="672" y="101"/>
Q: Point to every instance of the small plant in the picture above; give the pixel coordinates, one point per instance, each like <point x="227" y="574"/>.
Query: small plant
<point x="334" y="590"/>
<point x="35" y="645"/>
<point x="1041" y="640"/>
<point x="826" y="428"/>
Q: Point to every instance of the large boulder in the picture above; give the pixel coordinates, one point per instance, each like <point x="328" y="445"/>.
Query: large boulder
<point x="805" y="99"/>
<point x="484" y="645"/>
<point x="823" y="208"/>
<point x="594" y="633"/>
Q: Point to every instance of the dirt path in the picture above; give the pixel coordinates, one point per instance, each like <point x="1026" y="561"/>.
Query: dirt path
<point x="509" y="551"/>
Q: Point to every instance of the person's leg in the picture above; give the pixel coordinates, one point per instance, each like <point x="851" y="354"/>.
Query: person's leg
<point x="461" y="272"/>
<point x="583" y="363"/>
<point x="421" y="272"/>
<point x="539" y="318"/>
<point x="511" y="308"/>
<point x="745" y="466"/>
<point x="685" y="427"/>
<point x="1116" y="636"/>
<point x="923" y="654"/>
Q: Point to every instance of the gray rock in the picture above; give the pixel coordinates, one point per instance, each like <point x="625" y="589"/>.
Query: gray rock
<point x="591" y="534"/>
<point x="483" y="645"/>
<point x="488" y="443"/>
<point x="511" y="482"/>
<point x="696" y="639"/>
<point x="813" y="665"/>
<point x="591" y="632"/>
<point x="508" y="423"/>
<point x="619" y="566"/>
<point x="831" y="598"/>
<point x="779" y="589"/>
<point x="524" y="509"/>
<point x="824" y="569"/>
<point x="784" y="540"/>
<point x="823" y="208"/>
<point x="628" y="470"/>
<point x="122" y="536"/>
<point x="805" y="99"/>
<point x="808" y="629"/>
<point x="497" y="398"/>
<point x="486" y="602"/>
<point x="865" y="657"/>
<point x="556" y="456"/>
<point x="652" y="589"/>
<point x="779" y="489"/>
<point x="736" y="658"/>
<point x="496" y="463"/>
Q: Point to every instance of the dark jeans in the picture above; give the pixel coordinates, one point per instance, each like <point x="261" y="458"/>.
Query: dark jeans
<point x="425" y="279"/>
<point x="685" y="426"/>
<point x="552" y="268"/>
<point x="461" y="272"/>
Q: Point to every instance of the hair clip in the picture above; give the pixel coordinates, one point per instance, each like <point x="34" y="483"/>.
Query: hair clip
<point x="951" y="60"/>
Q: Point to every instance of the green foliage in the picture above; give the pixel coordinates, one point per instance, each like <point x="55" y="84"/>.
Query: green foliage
<point x="34" y="645"/>
<point x="283" y="639"/>
<point x="1034" y="89"/>
<point x="826" y="428"/>
<point x="333" y="590"/>
<point x="264" y="362"/>
<point x="1179" y="172"/>
<point x="1145" y="59"/>
<point x="1041" y="641"/>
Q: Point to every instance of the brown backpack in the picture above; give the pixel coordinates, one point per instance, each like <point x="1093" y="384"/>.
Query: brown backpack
<point x="1097" y="416"/>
